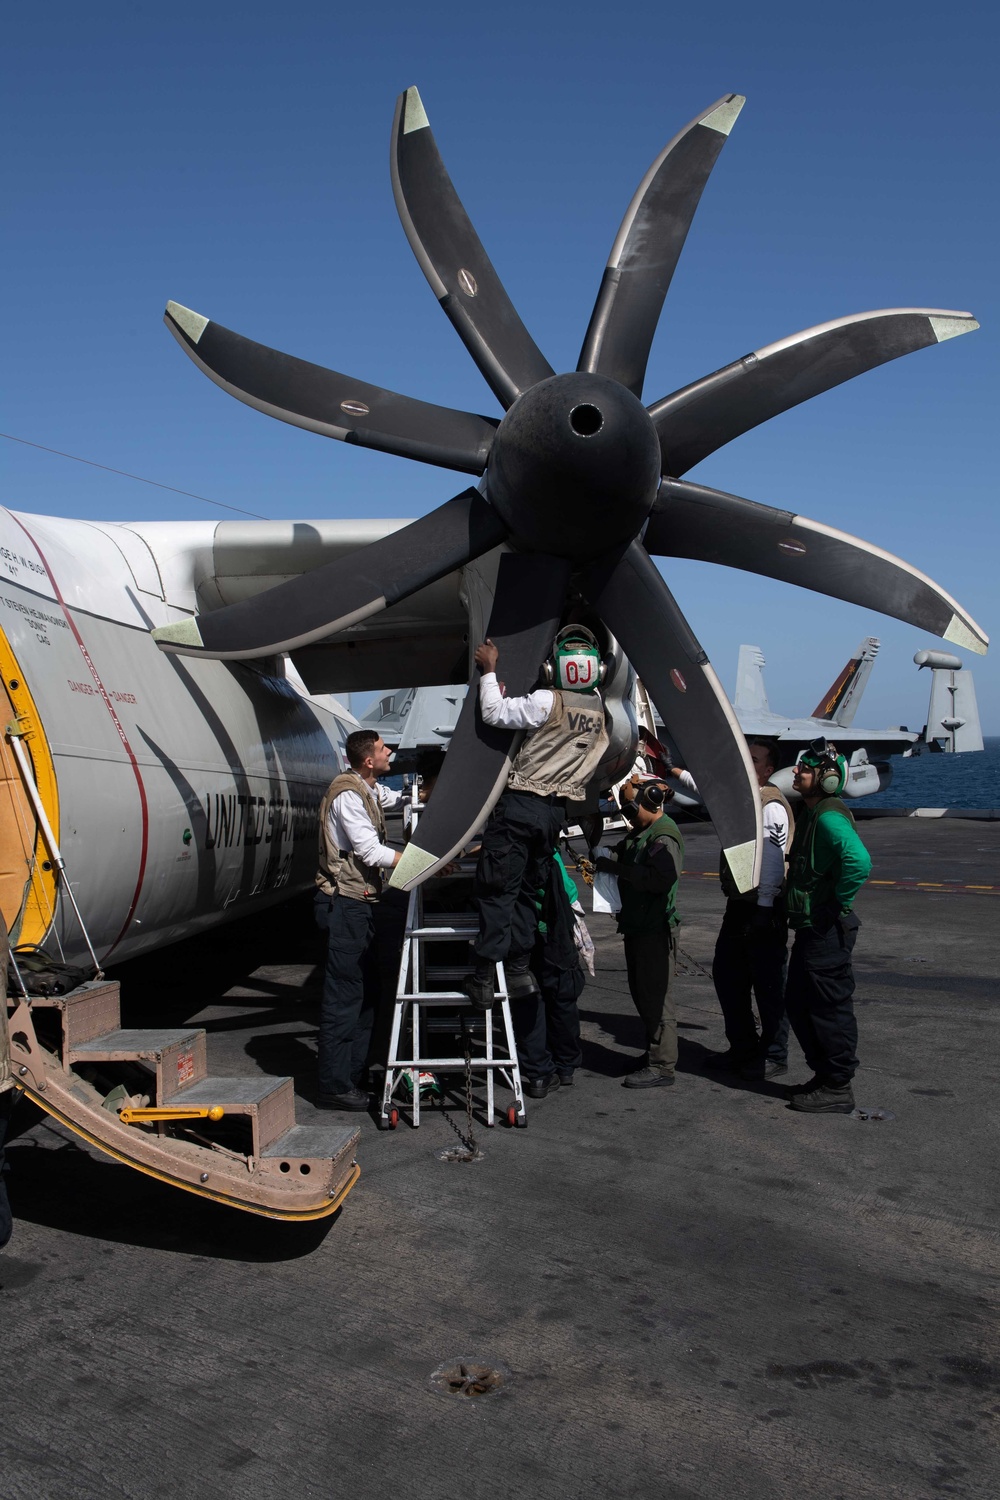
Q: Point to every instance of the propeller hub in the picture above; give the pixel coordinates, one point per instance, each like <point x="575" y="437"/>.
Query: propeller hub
<point x="574" y="466"/>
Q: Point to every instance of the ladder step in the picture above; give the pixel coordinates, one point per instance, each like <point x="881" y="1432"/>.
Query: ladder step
<point x="441" y="997"/>
<point x="270" y="1103"/>
<point x="177" y="1054"/>
<point x="314" y="1142"/>
<point x="88" y="1011"/>
<point x="117" y="1046"/>
<point x="449" y="919"/>
<point x="444" y="934"/>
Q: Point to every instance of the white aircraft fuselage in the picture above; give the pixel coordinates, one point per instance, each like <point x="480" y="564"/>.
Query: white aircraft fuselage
<point x="180" y="792"/>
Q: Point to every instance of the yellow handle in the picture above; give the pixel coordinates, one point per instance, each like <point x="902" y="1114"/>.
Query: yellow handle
<point x="130" y="1116"/>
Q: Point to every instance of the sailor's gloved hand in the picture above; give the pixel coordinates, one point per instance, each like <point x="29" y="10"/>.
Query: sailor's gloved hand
<point x="606" y="865"/>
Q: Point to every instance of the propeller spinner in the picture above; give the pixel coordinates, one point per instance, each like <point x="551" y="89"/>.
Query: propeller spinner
<point x="579" y="479"/>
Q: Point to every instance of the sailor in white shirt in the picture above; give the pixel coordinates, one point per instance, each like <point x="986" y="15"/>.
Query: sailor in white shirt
<point x="361" y="934"/>
<point x="751" y="951"/>
<point x="565" y="737"/>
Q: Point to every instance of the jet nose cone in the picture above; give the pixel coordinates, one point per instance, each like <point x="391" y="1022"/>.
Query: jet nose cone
<point x="575" y="466"/>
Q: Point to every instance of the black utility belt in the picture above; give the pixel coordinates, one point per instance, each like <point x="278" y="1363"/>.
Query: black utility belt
<point x="520" y="791"/>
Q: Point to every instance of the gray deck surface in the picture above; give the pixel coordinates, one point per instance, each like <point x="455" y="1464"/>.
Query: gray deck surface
<point x="698" y="1293"/>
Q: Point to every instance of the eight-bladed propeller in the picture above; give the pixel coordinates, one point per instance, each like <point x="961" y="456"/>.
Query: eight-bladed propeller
<point x="579" y="478"/>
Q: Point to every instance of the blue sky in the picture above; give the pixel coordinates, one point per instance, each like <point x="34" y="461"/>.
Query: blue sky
<point x="234" y="157"/>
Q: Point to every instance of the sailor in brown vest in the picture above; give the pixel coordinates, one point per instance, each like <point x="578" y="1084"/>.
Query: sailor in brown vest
<point x="353" y="861"/>
<point x="565" y="740"/>
<point x="751" y="951"/>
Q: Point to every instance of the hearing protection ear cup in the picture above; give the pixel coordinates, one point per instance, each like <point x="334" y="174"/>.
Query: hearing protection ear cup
<point x="835" y="779"/>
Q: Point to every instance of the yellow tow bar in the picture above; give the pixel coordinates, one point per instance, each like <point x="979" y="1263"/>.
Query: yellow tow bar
<point x="135" y="1116"/>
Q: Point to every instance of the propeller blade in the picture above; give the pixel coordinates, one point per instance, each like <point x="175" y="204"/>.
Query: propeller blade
<point x="700" y="418"/>
<point x="329" y="403"/>
<point x="342" y="592"/>
<point x="527" y="608"/>
<point x="648" y="247"/>
<point x="639" y="609"/>
<point x="690" y="520"/>
<point x="452" y="258"/>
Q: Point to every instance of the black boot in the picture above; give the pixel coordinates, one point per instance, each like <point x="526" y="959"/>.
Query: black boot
<point x="826" y="1099"/>
<point x="478" y="987"/>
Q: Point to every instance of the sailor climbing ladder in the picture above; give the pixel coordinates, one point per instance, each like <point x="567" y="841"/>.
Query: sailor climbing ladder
<point x="421" y="1012"/>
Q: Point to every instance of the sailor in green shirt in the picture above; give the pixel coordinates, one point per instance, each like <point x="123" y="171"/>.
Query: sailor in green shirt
<point x="827" y="867"/>
<point x="648" y="864"/>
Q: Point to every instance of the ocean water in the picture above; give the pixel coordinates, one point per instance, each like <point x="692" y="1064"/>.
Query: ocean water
<point x="969" y="780"/>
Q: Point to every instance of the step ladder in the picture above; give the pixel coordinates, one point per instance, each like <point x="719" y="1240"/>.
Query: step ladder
<point x="419" y="1007"/>
<point x="234" y="1140"/>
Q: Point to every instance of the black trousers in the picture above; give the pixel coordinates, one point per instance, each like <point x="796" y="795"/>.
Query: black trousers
<point x="363" y="942"/>
<point x="547" y="1026"/>
<point x="515" y="862"/>
<point x="750" y="963"/>
<point x="818" y="997"/>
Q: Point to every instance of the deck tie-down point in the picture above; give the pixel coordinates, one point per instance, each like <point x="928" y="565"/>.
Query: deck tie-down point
<point x="467" y="1377"/>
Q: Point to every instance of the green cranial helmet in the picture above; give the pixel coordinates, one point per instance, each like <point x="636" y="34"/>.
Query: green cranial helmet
<point x="575" y="665"/>
<point x="821" y="756"/>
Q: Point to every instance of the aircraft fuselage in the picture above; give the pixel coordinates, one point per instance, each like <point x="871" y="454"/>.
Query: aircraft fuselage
<point x="181" y="792"/>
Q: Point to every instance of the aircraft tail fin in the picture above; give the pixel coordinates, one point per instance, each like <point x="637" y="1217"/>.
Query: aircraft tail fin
<point x="751" y="694"/>
<point x="840" y="701"/>
<point x="953" y="713"/>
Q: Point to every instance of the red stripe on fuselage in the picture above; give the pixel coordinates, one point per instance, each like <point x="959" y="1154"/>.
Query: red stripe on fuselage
<point x="143" y="805"/>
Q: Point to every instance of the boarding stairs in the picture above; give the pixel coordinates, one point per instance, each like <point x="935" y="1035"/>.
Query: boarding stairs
<point x="430" y="1005"/>
<point x="146" y="1098"/>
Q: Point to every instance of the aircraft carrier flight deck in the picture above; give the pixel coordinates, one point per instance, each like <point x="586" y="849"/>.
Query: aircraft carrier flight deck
<point x="686" y="1294"/>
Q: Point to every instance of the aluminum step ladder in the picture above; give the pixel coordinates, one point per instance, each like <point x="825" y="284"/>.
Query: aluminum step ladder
<point x="234" y="1140"/>
<point x="416" y="1003"/>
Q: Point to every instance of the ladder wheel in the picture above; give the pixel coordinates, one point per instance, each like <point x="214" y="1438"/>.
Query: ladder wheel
<point x="513" y="1118"/>
<point x="393" y="1118"/>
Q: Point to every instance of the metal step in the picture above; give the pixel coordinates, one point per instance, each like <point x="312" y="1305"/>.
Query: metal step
<point x="177" y="1055"/>
<point x="305" y="1147"/>
<point x="270" y="1103"/>
<point x="88" y="1011"/>
<point x="282" y="1172"/>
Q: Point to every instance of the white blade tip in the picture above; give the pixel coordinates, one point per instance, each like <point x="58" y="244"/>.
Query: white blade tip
<point x="191" y="323"/>
<point x="180" y="633"/>
<point x="723" y="117"/>
<point x="960" y="634"/>
<point x="741" y="859"/>
<point x="414" y="114"/>
<point x="413" y="864"/>
<point x="951" y="327"/>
